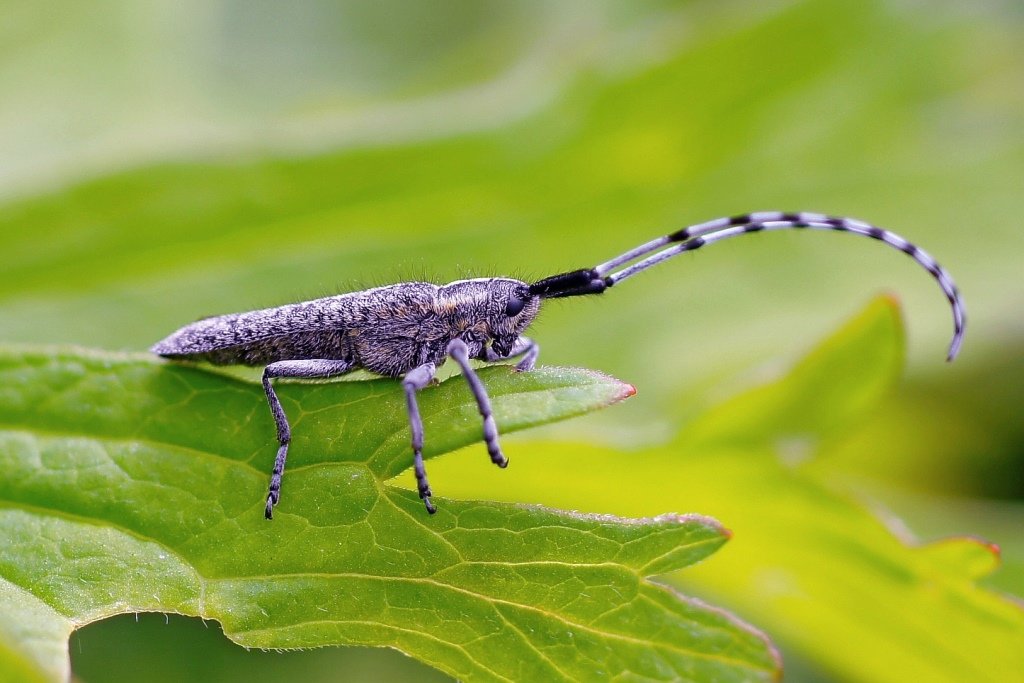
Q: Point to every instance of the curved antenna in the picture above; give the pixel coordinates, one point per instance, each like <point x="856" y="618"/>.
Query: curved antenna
<point x="596" y="280"/>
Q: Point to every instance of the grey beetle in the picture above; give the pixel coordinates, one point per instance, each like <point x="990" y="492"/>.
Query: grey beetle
<point x="409" y="329"/>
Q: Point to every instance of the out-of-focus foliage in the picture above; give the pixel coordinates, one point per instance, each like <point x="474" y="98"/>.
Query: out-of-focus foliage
<point x="812" y="554"/>
<point x="166" y="161"/>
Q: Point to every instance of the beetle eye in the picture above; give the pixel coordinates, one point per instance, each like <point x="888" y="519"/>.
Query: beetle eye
<point x="514" y="306"/>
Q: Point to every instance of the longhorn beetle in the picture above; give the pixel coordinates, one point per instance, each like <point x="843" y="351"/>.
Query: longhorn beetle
<point x="408" y="329"/>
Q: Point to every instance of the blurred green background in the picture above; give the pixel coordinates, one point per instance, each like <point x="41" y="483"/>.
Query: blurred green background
<point x="164" y="161"/>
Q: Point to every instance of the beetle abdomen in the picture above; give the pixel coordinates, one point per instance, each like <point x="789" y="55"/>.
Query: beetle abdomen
<point x="312" y="329"/>
<point x="397" y="317"/>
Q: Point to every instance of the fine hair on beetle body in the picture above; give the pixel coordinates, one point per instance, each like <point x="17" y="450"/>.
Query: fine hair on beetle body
<point x="409" y="329"/>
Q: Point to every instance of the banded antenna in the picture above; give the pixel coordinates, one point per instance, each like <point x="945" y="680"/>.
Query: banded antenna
<point x="596" y="280"/>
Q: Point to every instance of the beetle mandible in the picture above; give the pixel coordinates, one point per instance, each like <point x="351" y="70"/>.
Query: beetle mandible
<point x="409" y="329"/>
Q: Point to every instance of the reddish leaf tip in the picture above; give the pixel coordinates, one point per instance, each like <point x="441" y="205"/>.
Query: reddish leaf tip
<point x="890" y="298"/>
<point x="989" y="546"/>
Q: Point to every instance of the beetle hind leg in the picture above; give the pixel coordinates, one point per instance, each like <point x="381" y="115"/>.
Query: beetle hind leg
<point x="297" y="369"/>
<point x="413" y="381"/>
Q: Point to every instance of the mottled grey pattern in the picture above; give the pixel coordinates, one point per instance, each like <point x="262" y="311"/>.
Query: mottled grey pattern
<point x="389" y="330"/>
<point x="411" y="328"/>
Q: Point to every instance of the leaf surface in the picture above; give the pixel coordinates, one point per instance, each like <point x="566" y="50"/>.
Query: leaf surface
<point x="134" y="485"/>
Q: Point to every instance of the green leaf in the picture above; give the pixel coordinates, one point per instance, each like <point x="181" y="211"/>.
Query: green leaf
<point x="33" y="636"/>
<point x="832" y="386"/>
<point x="815" y="559"/>
<point x="134" y="485"/>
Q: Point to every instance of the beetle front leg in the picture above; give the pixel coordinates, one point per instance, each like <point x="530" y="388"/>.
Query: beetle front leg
<point x="459" y="352"/>
<point x="524" y="346"/>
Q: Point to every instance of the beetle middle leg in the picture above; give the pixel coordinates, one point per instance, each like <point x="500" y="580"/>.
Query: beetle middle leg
<point x="299" y="369"/>
<point x="413" y="381"/>
<point x="459" y="352"/>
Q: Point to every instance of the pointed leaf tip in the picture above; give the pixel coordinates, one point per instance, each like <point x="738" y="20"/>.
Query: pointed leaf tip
<point x="969" y="557"/>
<point x="835" y="384"/>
